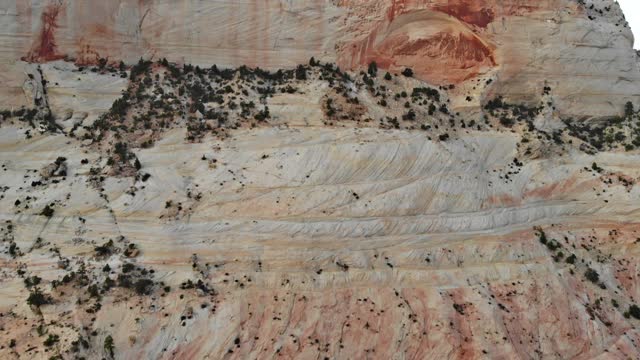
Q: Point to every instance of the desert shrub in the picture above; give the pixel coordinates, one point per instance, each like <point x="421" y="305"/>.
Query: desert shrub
<point x="542" y="237"/>
<point x="592" y="275"/>
<point x="47" y="211"/>
<point x="32" y="281"/>
<point x="596" y="168"/>
<point x="459" y="308"/>
<point x="330" y="109"/>
<point x="628" y="109"/>
<point x="121" y="149"/>
<point x="301" y="73"/>
<point x="128" y="267"/>
<point x="373" y="69"/>
<point x="506" y="121"/>
<point x="143" y="286"/>
<point x="263" y="114"/>
<point x="140" y="68"/>
<point x="410" y="115"/>
<point x="108" y="346"/>
<point x="426" y="91"/>
<point x="105" y="249"/>
<point x="37" y="298"/>
<point x="494" y="104"/>
<point x="51" y="340"/>
<point x="94" y="291"/>
<point x="553" y="245"/>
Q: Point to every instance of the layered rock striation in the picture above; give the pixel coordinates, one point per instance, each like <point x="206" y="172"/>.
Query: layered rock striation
<point x="580" y="48"/>
<point x="484" y="204"/>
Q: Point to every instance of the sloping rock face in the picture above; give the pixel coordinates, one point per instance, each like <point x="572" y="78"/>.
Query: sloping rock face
<point x="486" y="207"/>
<point x="428" y="260"/>
<point x="523" y="45"/>
<point x="580" y="48"/>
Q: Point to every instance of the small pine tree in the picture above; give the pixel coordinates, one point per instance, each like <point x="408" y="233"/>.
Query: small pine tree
<point x="51" y="340"/>
<point x="37" y="298"/>
<point x="592" y="275"/>
<point x="407" y="72"/>
<point x="628" y="109"/>
<point x="301" y="73"/>
<point x="108" y="346"/>
<point x="373" y="69"/>
<point x="47" y="211"/>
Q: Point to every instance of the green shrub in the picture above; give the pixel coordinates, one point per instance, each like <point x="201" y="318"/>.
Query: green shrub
<point x="47" y="211"/>
<point x="410" y="115"/>
<point x="143" y="286"/>
<point x="108" y="346"/>
<point x="51" y="340"/>
<point x="542" y="237"/>
<point x="628" y="109"/>
<point x="32" y="281"/>
<point x="140" y="68"/>
<point x="301" y="73"/>
<point x="596" y="168"/>
<point x="592" y="275"/>
<point x="105" y="249"/>
<point x="373" y="69"/>
<point x="37" y="298"/>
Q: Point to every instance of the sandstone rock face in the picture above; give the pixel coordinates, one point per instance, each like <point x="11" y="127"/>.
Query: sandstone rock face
<point x="582" y="50"/>
<point x="522" y="45"/>
<point x="485" y="208"/>
<point x="430" y="261"/>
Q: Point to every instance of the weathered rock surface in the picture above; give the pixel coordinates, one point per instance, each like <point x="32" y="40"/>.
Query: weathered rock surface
<point x="305" y="269"/>
<point x="583" y="51"/>
<point x="310" y="214"/>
